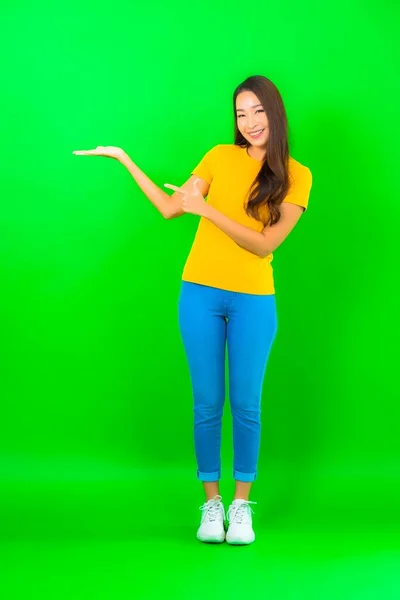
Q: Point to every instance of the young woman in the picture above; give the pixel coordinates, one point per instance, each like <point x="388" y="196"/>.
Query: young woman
<point x="256" y="195"/>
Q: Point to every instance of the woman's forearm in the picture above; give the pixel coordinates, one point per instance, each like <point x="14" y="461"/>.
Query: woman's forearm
<point x="246" y="238"/>
<point x="157" y="196"/>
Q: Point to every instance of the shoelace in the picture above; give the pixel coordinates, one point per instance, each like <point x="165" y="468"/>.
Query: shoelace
<point x="212" y="508"/>
<point x="237" y="512"/>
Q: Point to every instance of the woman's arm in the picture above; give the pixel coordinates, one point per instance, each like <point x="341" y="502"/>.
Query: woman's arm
<point x="172" y="208"/>
<point x="168" y="206"/>
<point x="260" y="243"/>
<point x="160" y="199"/>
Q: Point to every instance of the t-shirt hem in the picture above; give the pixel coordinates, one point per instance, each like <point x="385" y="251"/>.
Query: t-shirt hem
<point x="268" y="290"/>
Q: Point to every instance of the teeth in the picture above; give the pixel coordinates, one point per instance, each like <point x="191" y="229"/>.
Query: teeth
<point x="256" y="132"/>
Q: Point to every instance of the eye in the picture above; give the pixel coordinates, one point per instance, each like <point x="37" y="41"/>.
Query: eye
<point x="259" y="110"/>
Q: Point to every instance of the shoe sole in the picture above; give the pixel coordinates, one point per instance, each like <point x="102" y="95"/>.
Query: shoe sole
<point x="239" y="542"/>
<point x="211" y="540"/>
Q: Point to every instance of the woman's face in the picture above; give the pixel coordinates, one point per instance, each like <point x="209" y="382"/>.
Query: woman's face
<point x="251" y="118"/>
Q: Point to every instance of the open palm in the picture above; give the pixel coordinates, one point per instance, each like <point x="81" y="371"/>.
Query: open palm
<point x="109" y="151"/>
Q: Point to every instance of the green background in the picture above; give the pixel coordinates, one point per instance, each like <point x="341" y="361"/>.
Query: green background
<point x="99" y="496"/>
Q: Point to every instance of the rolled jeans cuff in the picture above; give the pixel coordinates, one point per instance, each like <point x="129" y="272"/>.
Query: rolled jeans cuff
<point x="245" y="477"/>
<point x="215" y="476"/>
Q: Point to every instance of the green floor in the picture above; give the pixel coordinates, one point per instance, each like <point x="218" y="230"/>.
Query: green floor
<point x="122" y="540"/>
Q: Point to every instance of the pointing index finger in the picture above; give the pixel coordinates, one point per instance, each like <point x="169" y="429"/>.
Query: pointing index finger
<point x="173" y="187"/>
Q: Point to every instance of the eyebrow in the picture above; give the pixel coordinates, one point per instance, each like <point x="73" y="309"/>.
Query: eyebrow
<point x="242" y="109"/>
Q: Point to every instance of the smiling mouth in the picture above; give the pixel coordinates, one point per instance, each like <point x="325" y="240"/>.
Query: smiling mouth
<point x="256" y="133"/>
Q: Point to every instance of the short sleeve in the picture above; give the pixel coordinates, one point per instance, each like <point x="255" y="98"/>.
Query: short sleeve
<point x="300" y="187"/>
<point x="207" y="166"/>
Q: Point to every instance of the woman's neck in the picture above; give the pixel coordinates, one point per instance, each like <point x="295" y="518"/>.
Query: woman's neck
<point x="257" y="153"/>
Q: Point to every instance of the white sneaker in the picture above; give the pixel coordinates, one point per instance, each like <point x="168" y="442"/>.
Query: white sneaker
<point x="240" y="530"/>
<point x="212" y="521"/>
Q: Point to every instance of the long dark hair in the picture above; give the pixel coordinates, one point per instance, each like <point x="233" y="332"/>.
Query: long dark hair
<point x="272" y="182"/>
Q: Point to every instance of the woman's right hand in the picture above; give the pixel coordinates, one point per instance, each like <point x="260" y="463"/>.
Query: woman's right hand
<point x="108" y="151"/>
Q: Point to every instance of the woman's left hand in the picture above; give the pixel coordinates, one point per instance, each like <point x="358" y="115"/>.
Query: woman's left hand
<point x="192" y="199"/>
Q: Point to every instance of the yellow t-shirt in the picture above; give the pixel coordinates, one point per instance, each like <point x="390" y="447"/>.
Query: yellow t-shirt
<point x="215" y="259"/>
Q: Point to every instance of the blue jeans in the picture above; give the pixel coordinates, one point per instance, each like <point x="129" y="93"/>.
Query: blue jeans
<point x="210" y="318"/>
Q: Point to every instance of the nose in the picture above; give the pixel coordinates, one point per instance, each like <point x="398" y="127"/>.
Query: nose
<point x="250" y="123"/>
